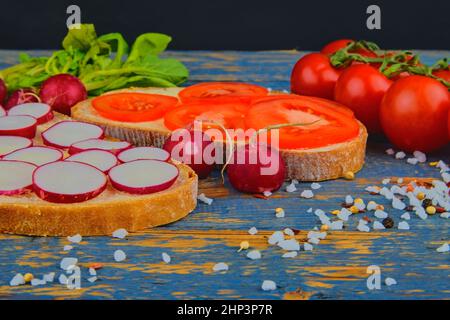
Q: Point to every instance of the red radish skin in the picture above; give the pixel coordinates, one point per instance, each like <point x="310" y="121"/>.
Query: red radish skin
<point x="22" y="126"/>
<point x="62" y="92"/>
<point x="21" y="96"/>
<point x="2" y="112"/>
<point x="99" y="144"/>
<point x="68" y="182"/>
<point x="15" y="177"/>
<point x="3" y="91"/>
<point x="65" y="133"/>
<point x="143" y="176"/>
<point x="101" y="159"/>
<point x="247" y="177"/>
<point x="189" y="148"/>
<point x="41" y="111"/>
<point x="36" y="155"/>
<point x="143" y="153"/>
<point x="10" y="144"/>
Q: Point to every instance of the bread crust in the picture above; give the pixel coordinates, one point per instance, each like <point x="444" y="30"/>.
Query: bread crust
<point x="304" y="165"/>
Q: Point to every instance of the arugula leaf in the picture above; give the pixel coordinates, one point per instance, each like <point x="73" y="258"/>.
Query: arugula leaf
<point x="80" y="37"/>
<point x="148" y="44"/>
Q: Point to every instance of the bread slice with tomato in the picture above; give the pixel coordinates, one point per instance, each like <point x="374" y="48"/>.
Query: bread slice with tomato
<point x="326" y="150"/>
<point x="26" y="213"/>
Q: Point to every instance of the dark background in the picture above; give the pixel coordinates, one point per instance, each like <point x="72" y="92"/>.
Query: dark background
<point x="232" y="24"/>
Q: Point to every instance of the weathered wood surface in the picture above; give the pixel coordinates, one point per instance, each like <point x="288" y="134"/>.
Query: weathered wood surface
<point x="336" y="269"/>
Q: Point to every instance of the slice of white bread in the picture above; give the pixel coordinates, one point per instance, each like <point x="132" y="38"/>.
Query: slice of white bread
<point x="27" y="214"/>
<point x="317" y="164"/>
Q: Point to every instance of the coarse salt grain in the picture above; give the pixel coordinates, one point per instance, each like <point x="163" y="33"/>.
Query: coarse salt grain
<point x="377" y="225"/>
<point x="308" y="194"/>
<point x="380" y="214"/>
<point x="252" y="231"/>
<point x="315" y="186"/>
<point x="165" y="257"/>
<point x="120" y="233"/>
<point x="337" y="225"/>
<point x="373" y="189"/>
<point x="390" y="151"/>
<point x="289" y="232"/>
<point x="291" y="188"/>
<point x="289" y="245"/>
<point x="405" y="216"/>
<point x="362" y="226"/>
<point x="314" y="240"/>
<point x="254" y="255"/>
<point x="420" y="212"/>
<point x="386" y="181"/>
<point x="445" y="215"/>
<point x="92" y="279"/>
<point x="267" y="193"/>
<point x="68" y="263"/>
<point x="348" y="199"/>
<point x="279" y="213"/>
<point x="398" y="204"/>
<point x="444" y="248"/>
<point x="67" y="247"/>
<point x="62" y="279"/>
<point x="49" y="277"/>
<point x="276" y="237"/>
<point x="290" y="254"/>
<point x="412" y="161"/>
<point x="372" y="205"/>
<point x="309" y="210"/>
<point x="390" y="281"/>
<point x="344" y="214"/>
<point x="308" y="247"/>
<point x="268" y="285"/>
<point x="446" y="177"/>
<point x="37" y="282"/>
<point x="316" y="234"/>
<point x="403" y="225"/>
<point x="17" y="280"/>
<point x="221" y="266"/>
<point x="75" y="239"/>
<point x="92" y="272"/>
<point x="119" y="255"/>
<point x="420" y="156"/>
<point x="204" y="199"/>
<point x="400" y="155"/>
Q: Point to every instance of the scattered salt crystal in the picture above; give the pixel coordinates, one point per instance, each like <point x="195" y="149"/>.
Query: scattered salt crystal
<point x="439" y="185"/>
<point x="390" y="151"/>
<point x="444" y="248"/>
<point x="413" y="201"/>
<point x="308" y="194"/>
<point x="290" y="254"/>
<point x="319" y="212"/>
<point x="386" y="193"/>
<point x="400" y="180"/>
<point x="390" y="281"/>
<point x="291" y="187"/>
<point x="49" y="277"/>
<point x="373" y="189"/>
<point x="337" y="225"/>
<point x="68" y="263"/>
<point x="398" y="204"/>
<point x="165" y="257"/>
<point x="314" y="240"/>
<point x="403" y="225"/>
<point x="420" y="211"/>
<point x="92" y="272"/>
<point x="267" y="193"/>
<point x="289" y="245"/>
<point x="315" y="186"/>
<point x="446" y="177"/>
<point x="405" y="216"/>
<point x="92" y="279"/>
<point x="204" y="199"/>
<point x="119" y="255"/>
<point x="315" y="234"/>
<point x="324" y="220"/>
<point x="377" y="225"/>
<point x="443" y="166"/>
<point x="360" y="205"/>
<point x="294" y="181"/>
<point x="67" y="248"/>
<point x="362" y="226"/>
<point x="400" y="155"/>
<point x="420" y="156"/>
<point x="17" y="280"/>
<point x="309" y="210"/>
<point x="371" y="205"/>
<point x="445" y="215"/>
<point x="268" y="285"/>
<point x="254" y="255"/>
<point x="75" y="239"/>
<point x="120" y="233"/>
<point x="412" y="161"/>
<point x="386" y="181"/>
<point x="63" y="279"/>
<point x="221" y="266"/>
<point x="308" y="247"/>
<point x="276" y="237"/>
<point x="37" y="282"/>
<point x="280" y="213"/>
<point x="380" y="214"/>
<point x="348" y="199"/>
<point x="289" y="232"/>
<point x="252" y="231"/>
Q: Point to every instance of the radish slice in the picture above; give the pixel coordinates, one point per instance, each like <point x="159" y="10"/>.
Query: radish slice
<point x="101" y="159"/>
<point x="41" y="111"/>
<point x="23" y="126"/>
<point x="143" y="176"/>
<point x="99" y="144"/>
<point x="68" y="182"/>
<point x="15" y="177"/>
<point x="143" y="153"/>
<point x="36" y="155"/>
<point x="2" y="112"/>
<point x="10" y="144"/>
<point x="65" y="133"/>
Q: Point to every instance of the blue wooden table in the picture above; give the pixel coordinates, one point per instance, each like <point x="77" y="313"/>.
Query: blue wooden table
<point x="335" y="269"/>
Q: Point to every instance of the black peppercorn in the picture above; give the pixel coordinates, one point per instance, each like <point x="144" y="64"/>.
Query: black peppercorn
<point x="388" y="222"/>
<point x="426" y="203"/>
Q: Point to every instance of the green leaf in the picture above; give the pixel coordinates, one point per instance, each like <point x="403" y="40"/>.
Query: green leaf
<point x="148" y="44"/>
<point x="80" y="38"/>
<point x="118" y="45"/>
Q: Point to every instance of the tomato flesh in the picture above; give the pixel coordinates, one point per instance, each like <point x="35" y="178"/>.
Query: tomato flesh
<point x="223" y="91"/>
<point x="328" y="125"/>
<point x="334" y="46"/>
<point x="132" y="106"/>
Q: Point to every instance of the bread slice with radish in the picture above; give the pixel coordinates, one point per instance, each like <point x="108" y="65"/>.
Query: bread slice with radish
<point x="309" y="164"/>
<point x="75" y="195"/>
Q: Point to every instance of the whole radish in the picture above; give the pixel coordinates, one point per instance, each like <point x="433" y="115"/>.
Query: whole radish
<point x="20" y="96"/>
<point x="62" y="92"/>
<point x="256" y="168"/>
<point x="3" y="91"/>
<point x="191" y="147"/>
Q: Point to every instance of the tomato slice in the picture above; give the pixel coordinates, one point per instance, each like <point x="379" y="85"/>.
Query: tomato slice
<point x="329" y="124"/>
<point x="224" y="91"/>
<point x="133" y="106"/>
<point x="227" y="115"/>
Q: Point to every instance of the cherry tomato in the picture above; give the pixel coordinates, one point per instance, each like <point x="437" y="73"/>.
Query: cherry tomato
<point x="334" y="46"/>
<point x="443" y="74"/>
<point x="223" y="91"/>
<point x="313" y="75"/>
<point x="413" y="114"/>
<point x="133" y="106"/>
<point x="361" y="88"/>
<point x="328" y="125"/>
<point x="448" y="124"/>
